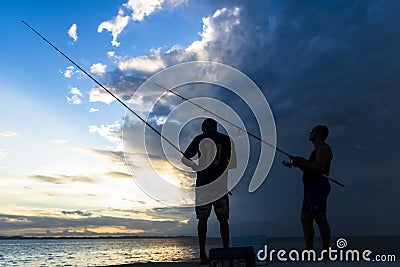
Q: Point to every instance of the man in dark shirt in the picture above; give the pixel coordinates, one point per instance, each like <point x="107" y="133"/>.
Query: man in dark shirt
<point x="316" y="187"/>
<point x="214" y="150"/>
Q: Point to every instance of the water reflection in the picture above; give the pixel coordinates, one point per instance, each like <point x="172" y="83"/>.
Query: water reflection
<point x="98" y="252"/>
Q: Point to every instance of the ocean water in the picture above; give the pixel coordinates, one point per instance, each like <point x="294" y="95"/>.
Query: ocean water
<point x="96" y="252"/>
<point x="105" y="252"/>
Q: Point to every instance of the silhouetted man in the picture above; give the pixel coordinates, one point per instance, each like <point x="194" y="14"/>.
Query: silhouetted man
<point x="316" y="187"/>
<point x="214" y="150"/>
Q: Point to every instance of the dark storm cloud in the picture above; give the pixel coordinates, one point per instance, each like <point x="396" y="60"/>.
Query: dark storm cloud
<point x="16" y="222"/>
<point x="77" y="212"/>
<point x="331" y="62"/>
<point x="121" y="84"/>
<point x="317" y="62"/>
<point x="171" y="211"/>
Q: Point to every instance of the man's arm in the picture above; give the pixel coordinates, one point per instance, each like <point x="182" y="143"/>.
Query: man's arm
<point x="189" y="163"/>
<point x="190" y="152"/>
<point x="233" y="159"/>
<point x="323" y="156"/>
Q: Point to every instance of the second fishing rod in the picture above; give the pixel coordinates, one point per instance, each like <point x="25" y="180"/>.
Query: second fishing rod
<point x="288" y="164"/>
<point x="173" y="92"/>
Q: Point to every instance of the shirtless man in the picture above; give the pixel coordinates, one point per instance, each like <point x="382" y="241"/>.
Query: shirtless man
<point x="316" y="187"/>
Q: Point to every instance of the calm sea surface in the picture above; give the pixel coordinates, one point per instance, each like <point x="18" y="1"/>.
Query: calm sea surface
<point x="97" y="252"/>
<point x="101" y="252"/>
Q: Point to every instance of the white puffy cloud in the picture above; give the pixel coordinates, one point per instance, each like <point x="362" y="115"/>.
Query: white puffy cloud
<point x="217" y="27"/>
<point x="75" y="98"/>
<point x="111" y="132"/>
<point x="143" y="8"/>
<point x="115" y="26"/>
<point x="8" y="134"/>
<point x="69" y="72"/>
<point x="75" y="91"/>
<point x="146" y="64"/>
<point x="111" y="54"/>
<point x="72" y="32"/>
<point x="93" y="110"/>
<point x="99" y="95"/>
<point x="138" y="9"/>
<point x="60" y="141"/>
<point x="98" y="69"/>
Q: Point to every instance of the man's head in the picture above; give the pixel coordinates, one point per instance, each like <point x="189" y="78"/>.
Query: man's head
<point x="320" y="132"/>
<point x="209" y="125"/>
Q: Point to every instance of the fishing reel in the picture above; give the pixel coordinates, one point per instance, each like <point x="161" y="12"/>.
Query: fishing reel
<point x="288" y="164"/>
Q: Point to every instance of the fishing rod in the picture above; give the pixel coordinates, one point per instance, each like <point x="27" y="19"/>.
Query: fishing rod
<point x="288" y="164"/>
<point x="103" y="87"/>
<point x="225" y="120"/>
<point x="171" y="91"/>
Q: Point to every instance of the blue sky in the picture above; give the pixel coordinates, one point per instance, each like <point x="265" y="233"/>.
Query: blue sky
<point x="61" y="162"/>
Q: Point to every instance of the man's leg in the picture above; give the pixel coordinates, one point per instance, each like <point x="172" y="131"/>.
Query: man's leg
<point x="308" y="229"/>
<point x="324" y="229"/>
<point x="221" y="209"/>
<point x="202" y="214"/>
<point x="319" y="201"/>
<point x="224" y="230"/>
<point x="202" y="233"/>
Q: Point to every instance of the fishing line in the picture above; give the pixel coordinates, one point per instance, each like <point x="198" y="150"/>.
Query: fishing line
<point x="176" y="94"/>
<point x="103" y="87"/>
<point x="225" y="120"/>
<point x="285" y="163"/>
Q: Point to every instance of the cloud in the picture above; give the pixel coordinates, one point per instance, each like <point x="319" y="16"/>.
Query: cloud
<point x="111" y="132"/>
<point x="122" y="175"/>
<point x="72" y="32"/>
<point x="143" y="8"/>
<point x="78" y="226"/>
<point x="75" y="91"/>
<point x="60" y="141"/>
<point x="98" y="94"/>
<point x="145" y="64"/>
<point x="77" y="212"/>
<point x="117" y="157"/>
<point x="75" y="98"/>
<point x="69" y="72"/>
<point x="8" y="134"/>
<point x="332" y="63"/>
<point x="98" y="69"/>
<point x="217" y="29"/>
<point x="93" y="110"/>
<point x="63" y="179"/>
<point x="138" y="10"/>
<point x="122" y="85"/>
<point x="115" y="26"/>
<point x="111" y="54"/>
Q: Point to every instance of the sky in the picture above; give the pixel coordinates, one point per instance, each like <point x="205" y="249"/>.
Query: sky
<point x="70" y="158"/>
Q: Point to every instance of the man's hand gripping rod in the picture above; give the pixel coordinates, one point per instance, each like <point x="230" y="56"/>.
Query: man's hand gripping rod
<point x="289" y="164"/>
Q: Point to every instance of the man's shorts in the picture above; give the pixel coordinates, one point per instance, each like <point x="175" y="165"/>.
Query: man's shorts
<point x="221" y="209"/>
<point x="315" y="196"/>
